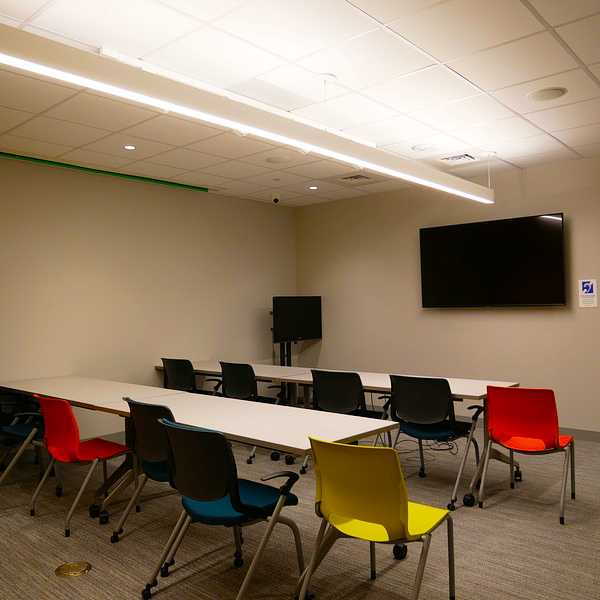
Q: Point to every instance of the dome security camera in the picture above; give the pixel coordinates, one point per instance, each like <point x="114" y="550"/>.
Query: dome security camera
<point x="275" y="198"/>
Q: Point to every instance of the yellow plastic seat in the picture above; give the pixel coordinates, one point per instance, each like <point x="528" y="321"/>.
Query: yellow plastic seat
<point x="361" y="494"/>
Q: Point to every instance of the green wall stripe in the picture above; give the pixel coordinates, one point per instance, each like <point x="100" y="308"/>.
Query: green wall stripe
<point x="102" y="172"/>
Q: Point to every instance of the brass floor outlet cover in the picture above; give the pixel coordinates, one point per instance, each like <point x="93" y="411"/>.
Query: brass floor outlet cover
<point x="73" y="569"/>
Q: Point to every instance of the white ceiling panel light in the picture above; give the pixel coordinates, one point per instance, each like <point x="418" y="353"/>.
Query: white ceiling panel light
<point x="61" y="63"/>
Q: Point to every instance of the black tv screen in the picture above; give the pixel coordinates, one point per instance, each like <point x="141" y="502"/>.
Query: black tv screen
<point x="508" y="262"/>
<point x="296" y="318"/>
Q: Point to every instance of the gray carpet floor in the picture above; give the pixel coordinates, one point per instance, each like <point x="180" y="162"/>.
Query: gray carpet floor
<point x="513" y="548"/>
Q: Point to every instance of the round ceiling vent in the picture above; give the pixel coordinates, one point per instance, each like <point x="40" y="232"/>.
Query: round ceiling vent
<point x="547" y="94"/>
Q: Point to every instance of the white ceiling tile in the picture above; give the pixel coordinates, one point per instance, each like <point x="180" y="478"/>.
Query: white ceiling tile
<point x="205" y="10"/>
<point x="31" y="147"/>
<point x="95" y="159"/>
<point x="579" y="136"/>
<point x="392" y="130"/>
<point x="588" y="150"/>
<point x="463" y="113"/>
<point x="49" y="130"/>
<point x="21" y="9"/>
<point x="496" y="132"/>
<point x="343" y="194"/>
<point x="171" y="130"/>
<point x="450" y="29"/>
<point x="29" y="94"/>
<point x="357" y="63"/>
<point x="579" y="86"/>
<point x="285" y="197"/>
<point x="544" y="158"/>
<point x="322" y="168"/>
<point x="595" y="69"/>
<point x="153" y="170"/>
<point x="185" y="159"/>
<point x="234" y="169"/>
<point x="202" y="179"/>
<point x="385" y="186"/>
<point x="385" y="11"/>
<point x="346" y="111"/>
<point x="536" y="144"/>
<point x="583" y="38"/>
<point x="285" y="158"/>
<point x="10" y="118"/>
<point x="97" y="111"/>
<point x="272" y="95"/>
<point x="322" y="187"/>
<point x="114" y="144"/>
<point x="481" y="169"/>
<point x="134" y="27"/>
<point x="532" y="57"/>
<point x="214" y="57"/>
<point x="442" y="144"/>
<point x="422" y="89"/>
<point x="240" y="188"/>
<point x="9" y="21"/>
<point x="277" y="179"/>
<point x="563" y="11"/>
<point x="296" y="29"/>
<point x="567" y="117"/>
<point x="230" y="145"/>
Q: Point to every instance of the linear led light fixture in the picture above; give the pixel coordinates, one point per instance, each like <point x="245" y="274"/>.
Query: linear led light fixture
<point x="106" y="88"/>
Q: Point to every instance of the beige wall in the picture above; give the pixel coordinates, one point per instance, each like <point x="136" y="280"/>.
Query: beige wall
<point x="362" y="256"/>
<point x="102" y="276"/>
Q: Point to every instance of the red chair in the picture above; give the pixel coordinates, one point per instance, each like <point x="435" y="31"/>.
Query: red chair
<point x="62" y="442"/>
<point x="525" y="420"/>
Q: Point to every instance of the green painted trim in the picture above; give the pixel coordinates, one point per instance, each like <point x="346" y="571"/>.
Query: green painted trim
<point x="53" y="163"/>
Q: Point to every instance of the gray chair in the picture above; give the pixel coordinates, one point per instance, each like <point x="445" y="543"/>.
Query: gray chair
<point x="179" y="375"/>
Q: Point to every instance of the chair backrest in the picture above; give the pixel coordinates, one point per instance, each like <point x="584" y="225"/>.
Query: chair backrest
<point x="202" y="466"/>
<point x="423" y="400"/>
<point x="338" y="392"/>
<point x="363" y="483"/>
<point x="179" y="374"/>
<point x="61" y="430"/>
<point x="522" y="412"/>
<point x="150" y="436"/>
<point x="239" y="381"/>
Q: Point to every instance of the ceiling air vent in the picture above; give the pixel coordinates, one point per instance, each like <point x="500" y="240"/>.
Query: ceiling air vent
<point x="356" y="179"/>
<point x="460" y="159"/>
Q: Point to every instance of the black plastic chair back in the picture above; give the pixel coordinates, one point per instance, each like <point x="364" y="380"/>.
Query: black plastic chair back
<point x="202" y="466"/>
<point x="423" y="400"/>
<point x="150" y="436"/>
<point x="239" y="381"/>
<point x="179" y="374"/>
<point x="338" y="392"/>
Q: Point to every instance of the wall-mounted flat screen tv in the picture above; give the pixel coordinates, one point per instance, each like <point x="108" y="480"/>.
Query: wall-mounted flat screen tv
<point x="296" y="318"/>
<point x="508" y="262"/>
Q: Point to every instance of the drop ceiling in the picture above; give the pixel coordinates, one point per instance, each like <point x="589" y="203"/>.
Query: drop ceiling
<point x="423" y="80"/>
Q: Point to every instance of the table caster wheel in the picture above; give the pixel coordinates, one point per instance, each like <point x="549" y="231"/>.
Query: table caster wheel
<point x="289" y="460"/>
<point x="95" y="511"/>
<point x="302" y="470"/>
<point x="421" y="473"/>
<point x="469" y="500"/>
<point x="451" y="505"/>
<point x="103" y="517"/>
<point x="400" y="551"/>
<point x="275" y="455"/>
<point x="249" y="461"/>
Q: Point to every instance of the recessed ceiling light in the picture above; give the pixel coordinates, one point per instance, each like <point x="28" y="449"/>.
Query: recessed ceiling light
<point x="313" y="187"/>
<point x="424" y="147"/>
<point x="278" y="159"/>
<point x="129" y="147"/>
<point x="546" y="94"/>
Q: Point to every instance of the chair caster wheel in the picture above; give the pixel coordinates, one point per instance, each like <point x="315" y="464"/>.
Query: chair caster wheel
<point x="32" y="512"/>
<point x="138" y="508"/>
<point x="373" y="575"/>
<point x="164" y="571"/>
<point x="421" y="473"/>
<point x="275" y="456"/>
<point x="67" y="533"/>
<point x="400" y="551"/>
<point x="249" y="461"/>
<point x="103" y="517"/>
<point x="114" y="537"/>
<point x="302" y="470"/>
<point x="451" y="505"/>
<point x="289" y="459"/>
<point x="238" y="561"/>
<point x="59" y="490"/>
<point x="95" y="511"/>
<point x="518" y="475"/>
<point x="469" y="500"/>
<point x="146" y="593"/>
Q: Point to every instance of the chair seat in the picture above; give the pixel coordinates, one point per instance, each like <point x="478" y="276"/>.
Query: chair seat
<point x="157" y="471"/>
<point x="435" y="431"/>
<point x="22" y="430"/>
<point x="422" y="519"/>
<point x="220" y="512"/>
<point x="99" y="448"/>
<point x="527" y="444"/>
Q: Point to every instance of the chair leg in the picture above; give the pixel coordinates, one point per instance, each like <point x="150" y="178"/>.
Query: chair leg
<point x="422" y="469"/>
<point x="373" y="560"/>
<point x="18" y="454"/>
<point x="252" y="455"/>
<point x="463" y="462"/>
<point x="170" y="560"/>
<point x="136" y="494"/>
<point x="297" y="540"/>
<point x="78" y="497"/>
<point x="563" y="491"/>
<point x="451" y="578"/>
<point x="184" y="519"/>
<point x="572" y="446"/>
<point x="511" y="466"/>
<point x="486" y="458"/>
<point x="426" y="539"/>
<point x="39" y="487"/>
<point x="238" y="561"/>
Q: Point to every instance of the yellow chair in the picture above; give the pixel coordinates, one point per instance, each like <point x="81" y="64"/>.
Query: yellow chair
<point x="361" y="494"/>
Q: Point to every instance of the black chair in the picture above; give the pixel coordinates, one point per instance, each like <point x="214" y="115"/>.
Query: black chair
<point x="424" y="407"/>
<point x="179" y="375"/>
<point x="202" y="467"/>
<point x="239" y="381"/>
<point x="150" y="447"/>
<point x="340" y="392"/>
